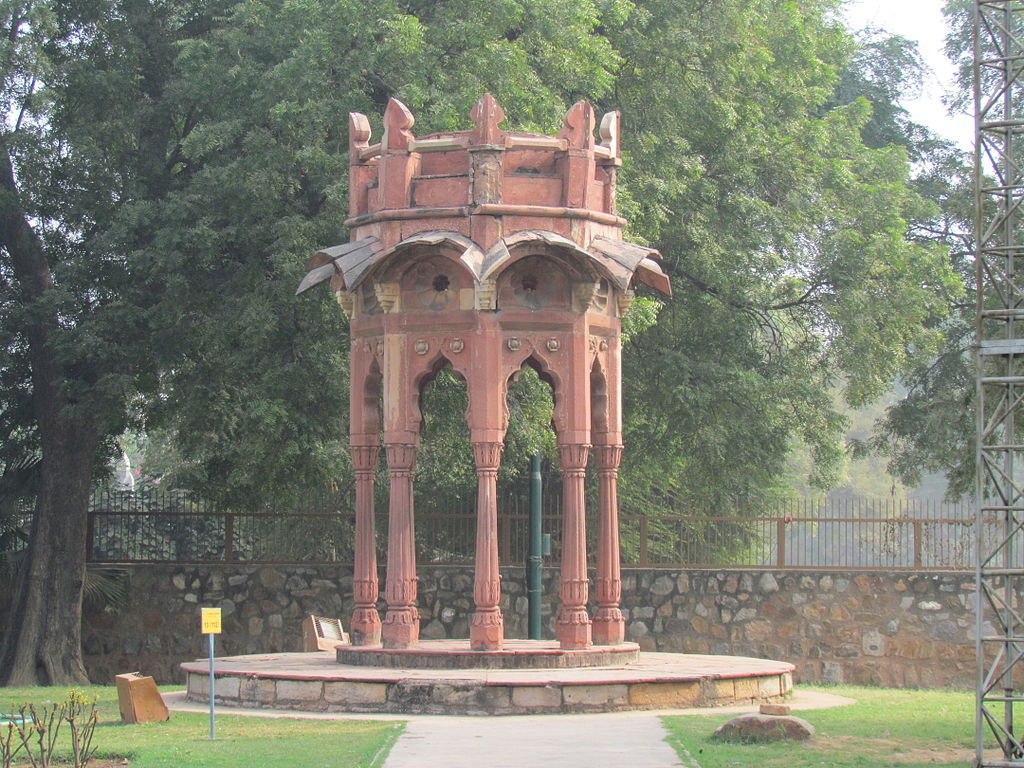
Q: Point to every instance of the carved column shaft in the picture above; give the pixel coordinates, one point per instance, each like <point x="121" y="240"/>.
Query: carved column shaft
<point x="486" y="633"/>
<point x="401" y="623"/>
<point x="365" y="629"/>
<point x="609" y="625"/>
<point x="573" y="625"/>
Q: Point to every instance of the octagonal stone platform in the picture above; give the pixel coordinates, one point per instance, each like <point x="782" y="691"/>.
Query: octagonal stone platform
<point x="316" y="682"/>
<point x="516" y="654"/>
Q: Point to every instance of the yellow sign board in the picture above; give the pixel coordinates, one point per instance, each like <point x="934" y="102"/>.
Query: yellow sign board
<point x="211" y="620"/>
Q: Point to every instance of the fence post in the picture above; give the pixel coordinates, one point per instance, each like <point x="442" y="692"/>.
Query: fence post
<point x="505" y="537"/>
<point x="229" y="537"/>
<point x="643" y="542"/>
<point x="780" y="537"/>
<point x="917" y="543"/>
<point x="90" y="531"/>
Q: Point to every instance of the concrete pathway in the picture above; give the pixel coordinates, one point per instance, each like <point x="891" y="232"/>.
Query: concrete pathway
<point x="615" y="740"/>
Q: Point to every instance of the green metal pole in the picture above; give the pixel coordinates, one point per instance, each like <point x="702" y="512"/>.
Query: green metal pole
<point x="533" y="560"/>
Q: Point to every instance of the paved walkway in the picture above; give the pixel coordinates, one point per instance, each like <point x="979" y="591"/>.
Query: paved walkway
<point x="608" y="740"/>
<point x="615" y="740"/>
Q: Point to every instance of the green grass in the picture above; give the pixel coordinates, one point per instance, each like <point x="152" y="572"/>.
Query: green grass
<point x="886" y="727"/>
<point x="241" y="741"/>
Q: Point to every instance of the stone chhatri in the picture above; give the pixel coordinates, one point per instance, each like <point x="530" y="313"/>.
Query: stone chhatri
<point x="485" y="250"/>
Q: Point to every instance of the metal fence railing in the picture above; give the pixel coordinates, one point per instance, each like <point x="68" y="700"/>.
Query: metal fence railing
<point x="169" y="527"/>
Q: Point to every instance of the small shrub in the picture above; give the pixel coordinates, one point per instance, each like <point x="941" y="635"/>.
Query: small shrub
<point x="82" y="718"/>
<point x="33" y="731"/>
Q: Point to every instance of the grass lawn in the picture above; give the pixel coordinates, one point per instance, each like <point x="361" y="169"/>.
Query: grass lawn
<point x="887" y="727"/>
<point x="241" y="741"/>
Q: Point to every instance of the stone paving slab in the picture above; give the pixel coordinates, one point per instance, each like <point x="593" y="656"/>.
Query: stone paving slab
<point x="567" y="741"/>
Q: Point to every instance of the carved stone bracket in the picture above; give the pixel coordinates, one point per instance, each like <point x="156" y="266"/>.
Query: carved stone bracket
<point x="584" y="293"/>
<point x="346" y="301"/>
<point x="625" y="302"/>
<point x="487" y="295"/>
<point x="387" y="295"/>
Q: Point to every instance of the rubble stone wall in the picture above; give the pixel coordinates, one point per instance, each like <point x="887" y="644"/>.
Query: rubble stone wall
<point x="893" y="629"/>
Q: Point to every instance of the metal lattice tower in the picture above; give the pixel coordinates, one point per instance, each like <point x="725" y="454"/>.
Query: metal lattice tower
<point x="999" y="243"/>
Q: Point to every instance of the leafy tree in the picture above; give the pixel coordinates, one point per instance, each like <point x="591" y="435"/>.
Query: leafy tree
<point x="931" y="427"/>
<point x="73" y="148"/>
<point x="783" y="223"/>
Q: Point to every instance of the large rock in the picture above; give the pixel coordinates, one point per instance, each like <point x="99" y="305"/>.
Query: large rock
<point x="756" y="727"/>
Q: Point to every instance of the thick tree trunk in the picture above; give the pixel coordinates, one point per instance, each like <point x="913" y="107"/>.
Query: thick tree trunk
<point x="43" y="642"/>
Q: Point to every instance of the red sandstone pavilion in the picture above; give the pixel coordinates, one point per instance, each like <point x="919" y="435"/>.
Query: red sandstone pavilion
<point x="485" y="250"/>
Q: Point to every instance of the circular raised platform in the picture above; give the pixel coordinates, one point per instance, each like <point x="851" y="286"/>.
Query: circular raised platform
<point x="316" y="682"/>
<point x="517" y="654"/>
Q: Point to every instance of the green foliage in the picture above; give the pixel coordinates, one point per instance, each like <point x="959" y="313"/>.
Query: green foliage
<point x="185" y="159"/>
<point x="931" y="428"/>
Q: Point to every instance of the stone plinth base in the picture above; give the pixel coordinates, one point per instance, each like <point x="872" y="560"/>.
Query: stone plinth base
<point x="316" y="682"/>
<point x="517" y="654"/>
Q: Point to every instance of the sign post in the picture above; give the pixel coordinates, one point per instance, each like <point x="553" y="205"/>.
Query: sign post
<point x="211" y="626"/>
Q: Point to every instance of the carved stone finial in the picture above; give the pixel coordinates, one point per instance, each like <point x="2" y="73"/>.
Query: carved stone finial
<point x="345" y="301"/>
<point x="358" y="135"/>
<point x="397" y="123"/>
<point x="487" y="295"/>
<point x="578" y="128"/>
<point x="488" y="115"/>
<point x="625" y="302"/>
<point x="610" y="132"/>
<point x="387" y="295"/>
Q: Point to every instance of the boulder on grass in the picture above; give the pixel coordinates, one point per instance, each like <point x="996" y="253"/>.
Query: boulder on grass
<point x="756" y="727"/>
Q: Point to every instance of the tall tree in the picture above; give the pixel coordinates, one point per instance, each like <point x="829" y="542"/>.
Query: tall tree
<point x="86" y="130"/>
<point x="784" y="226"/>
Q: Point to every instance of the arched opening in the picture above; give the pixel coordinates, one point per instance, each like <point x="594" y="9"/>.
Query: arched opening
<point x="445" y="485"/>
<point x="530" y="404"/>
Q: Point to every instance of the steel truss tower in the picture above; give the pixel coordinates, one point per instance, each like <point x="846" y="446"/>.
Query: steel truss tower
<point x="999" y="244"/>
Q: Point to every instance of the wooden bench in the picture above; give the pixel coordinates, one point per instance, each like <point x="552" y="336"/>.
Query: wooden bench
<point x="322" y="634"/>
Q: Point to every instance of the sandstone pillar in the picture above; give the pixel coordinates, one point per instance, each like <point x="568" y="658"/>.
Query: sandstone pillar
<point x="609" y="626"/>
<point x="365" y="629"/>
<point x="573" y="624"/>
<point x="486" y="633"/>
<point x="401" y="627"/>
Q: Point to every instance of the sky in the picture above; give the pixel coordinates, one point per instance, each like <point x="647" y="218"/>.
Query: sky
<point x="920" y="20"/>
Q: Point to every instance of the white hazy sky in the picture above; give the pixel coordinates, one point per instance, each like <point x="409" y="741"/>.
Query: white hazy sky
<point x="920" y="20"/>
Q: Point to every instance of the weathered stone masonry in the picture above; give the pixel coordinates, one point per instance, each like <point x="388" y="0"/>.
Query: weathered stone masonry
<point x="897" y="629"/>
